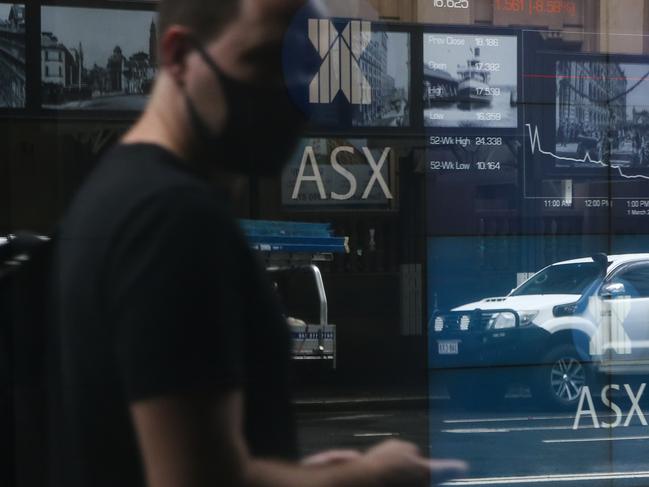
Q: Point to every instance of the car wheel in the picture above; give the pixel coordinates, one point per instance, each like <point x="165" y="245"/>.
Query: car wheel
<point x="561" y="377"/>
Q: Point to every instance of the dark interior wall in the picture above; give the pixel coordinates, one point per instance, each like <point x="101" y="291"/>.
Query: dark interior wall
<point x="366" y="310"/>
<point x="5" y="181"/>
<point x="43" y="164"/>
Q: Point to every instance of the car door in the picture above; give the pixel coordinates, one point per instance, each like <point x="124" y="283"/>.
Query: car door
<point x="625" y="312"/>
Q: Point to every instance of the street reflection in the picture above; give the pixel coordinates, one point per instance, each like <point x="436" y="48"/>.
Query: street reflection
<point x="520" y="440"/>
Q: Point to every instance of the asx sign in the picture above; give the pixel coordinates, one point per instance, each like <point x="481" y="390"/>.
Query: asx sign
<point x="618" y="414"/>
<point x="340" y="70"/>
<point x="323" y="173"/>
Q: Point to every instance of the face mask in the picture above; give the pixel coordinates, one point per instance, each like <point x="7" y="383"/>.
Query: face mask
<point x="261" y="129"/>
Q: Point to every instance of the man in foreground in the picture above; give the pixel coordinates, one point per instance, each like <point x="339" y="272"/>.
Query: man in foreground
<point x="172" y="352"/>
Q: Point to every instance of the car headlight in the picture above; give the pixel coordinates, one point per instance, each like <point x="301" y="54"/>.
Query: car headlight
<point x="439" y="324"/>
<point x="507" y="319"/>
<point x="502" y="321"/>
<point x="465" y="321"/>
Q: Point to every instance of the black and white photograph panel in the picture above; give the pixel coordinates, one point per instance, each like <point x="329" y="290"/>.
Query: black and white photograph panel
<point x="12" y="55"/>
<point x="470" y="81"/>
<point x="602" y="114"/>
<point x="97" y="59"/>
<point x="385" y="64"/>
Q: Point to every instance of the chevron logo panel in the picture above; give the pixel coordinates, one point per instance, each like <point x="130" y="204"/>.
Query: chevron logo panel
<point x="340" y="70"/>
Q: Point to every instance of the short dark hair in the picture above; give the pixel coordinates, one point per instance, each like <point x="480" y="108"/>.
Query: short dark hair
<point x="206" y="18"/>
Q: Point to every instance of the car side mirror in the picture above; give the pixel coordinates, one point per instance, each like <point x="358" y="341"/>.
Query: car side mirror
<point x="613" y="290"/>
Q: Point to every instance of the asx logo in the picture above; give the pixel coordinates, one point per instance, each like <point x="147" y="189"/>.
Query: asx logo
<point x="635" y="408"/>
<point x="372" y="176"/>
<point x="611" y="334"/>
<point x="340" y="70"/>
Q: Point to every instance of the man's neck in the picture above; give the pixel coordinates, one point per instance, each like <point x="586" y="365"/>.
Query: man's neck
<point x="174" y="135"/>
<point x="152" y="128"/>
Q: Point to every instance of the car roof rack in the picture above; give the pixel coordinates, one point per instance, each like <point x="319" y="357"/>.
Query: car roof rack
<point x="602" y="260"/>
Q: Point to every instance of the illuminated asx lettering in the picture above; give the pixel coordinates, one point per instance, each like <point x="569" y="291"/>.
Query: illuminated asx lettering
<point x="309" y="158"/>
<point x="340" y="69"/>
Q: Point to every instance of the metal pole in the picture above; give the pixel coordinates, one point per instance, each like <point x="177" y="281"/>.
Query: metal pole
<point x="324" y="312"/>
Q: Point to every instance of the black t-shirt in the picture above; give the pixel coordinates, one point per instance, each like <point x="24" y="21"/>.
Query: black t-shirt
<point x="157" y="295"/>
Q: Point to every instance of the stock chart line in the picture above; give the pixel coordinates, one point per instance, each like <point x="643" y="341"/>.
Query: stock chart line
<point x="535" y="144"/>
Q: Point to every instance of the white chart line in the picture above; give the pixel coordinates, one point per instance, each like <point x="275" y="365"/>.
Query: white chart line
<point x="535" y="141"/>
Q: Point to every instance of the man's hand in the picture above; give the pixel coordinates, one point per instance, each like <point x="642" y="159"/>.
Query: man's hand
<point x="197" y="440"/>
<point x="331" y="457"/>
<point x="392" y="463"/>
<point x="400" y="464"/>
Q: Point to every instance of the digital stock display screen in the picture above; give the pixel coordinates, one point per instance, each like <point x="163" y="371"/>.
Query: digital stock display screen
<point x="535" y="153"/>
<point x="529" y="131"/>
<point x="518" y="130"/>
<point x="586" y="132"/>
<point x="472" y="118"/>
<point x="470" y="80"/>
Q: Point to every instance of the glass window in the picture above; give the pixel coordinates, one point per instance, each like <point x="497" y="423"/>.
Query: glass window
<point x="454" y="237"/>
<point x="561" y="279"/>
<point x="521" y="154"/>
<point x="635" y="281"/>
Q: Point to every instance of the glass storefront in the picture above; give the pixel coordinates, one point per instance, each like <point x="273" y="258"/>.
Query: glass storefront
<point x="482" y="168"/>
<point x="520" y="189"/>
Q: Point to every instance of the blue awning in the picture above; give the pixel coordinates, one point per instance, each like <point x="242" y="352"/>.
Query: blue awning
<point x="292" y="237"/>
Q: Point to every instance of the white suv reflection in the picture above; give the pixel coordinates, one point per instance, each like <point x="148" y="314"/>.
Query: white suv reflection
<point x="576" y="318"/>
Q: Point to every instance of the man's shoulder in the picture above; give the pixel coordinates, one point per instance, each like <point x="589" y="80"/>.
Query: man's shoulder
<point x="131" y="182"/>
<point x="139" y="170"/>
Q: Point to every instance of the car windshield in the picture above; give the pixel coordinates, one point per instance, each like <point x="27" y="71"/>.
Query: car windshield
<point x="561" y="279"/>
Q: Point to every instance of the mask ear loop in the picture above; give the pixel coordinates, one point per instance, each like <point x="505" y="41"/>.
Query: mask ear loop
<point x="201" y="130"/>
<point x="218" y="72"/>
<point x="207" y="59"/>
<point x="201" y="164"/>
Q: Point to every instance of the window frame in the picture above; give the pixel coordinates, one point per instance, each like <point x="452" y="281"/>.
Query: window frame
<point x="629" y="266"/>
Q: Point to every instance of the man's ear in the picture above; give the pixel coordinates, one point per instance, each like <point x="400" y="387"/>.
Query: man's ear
<point x="175" y="47"/>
